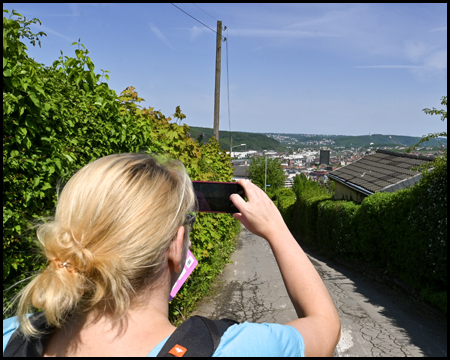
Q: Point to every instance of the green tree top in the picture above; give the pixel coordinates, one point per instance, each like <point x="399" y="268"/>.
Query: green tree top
<point x="441" y="112"/>
<point x="433" y="111"/>
<point x="275" y="173"/>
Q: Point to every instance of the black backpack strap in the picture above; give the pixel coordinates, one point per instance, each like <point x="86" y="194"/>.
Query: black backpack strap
<point x="18" y="345"/>
<point x="196" y="337"/>
<point x="224" y="324"/>
<point x="213" y="332"/>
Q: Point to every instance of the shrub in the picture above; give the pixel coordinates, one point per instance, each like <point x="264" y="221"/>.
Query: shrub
<point x="268" y="171"/>
<point x="284" y="199"/>
<point x="370" y="230"/>
<point x="56" y="120"/>
<point x="336" y="228"/>
<point x="402" y="233"/>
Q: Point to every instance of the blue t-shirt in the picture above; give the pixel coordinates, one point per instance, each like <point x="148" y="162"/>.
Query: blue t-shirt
<point x="246" y="339"/>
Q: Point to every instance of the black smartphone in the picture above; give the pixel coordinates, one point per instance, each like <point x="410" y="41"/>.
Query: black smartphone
<point x="215" y="196"/>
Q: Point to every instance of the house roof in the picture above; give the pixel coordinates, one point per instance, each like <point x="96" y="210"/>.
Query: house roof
<point x="241" y="171"/>
<point x="381" y="171"/>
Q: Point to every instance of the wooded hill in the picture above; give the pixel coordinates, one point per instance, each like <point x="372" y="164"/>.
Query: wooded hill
<point x="261" y="141"/>
<point x="304" y="140"/>
<point x="254" y="141"/>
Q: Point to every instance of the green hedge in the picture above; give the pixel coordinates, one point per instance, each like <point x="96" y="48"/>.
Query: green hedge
<point x="335" y="227"/>
<point x="402" y="233"/>
<point x="56" y="120"/>
<point x="284" y="198"/>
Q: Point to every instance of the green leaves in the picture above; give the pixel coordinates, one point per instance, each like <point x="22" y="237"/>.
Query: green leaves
<point x="14" y="153"/>
<point x="35" y="100"/>
<point x="441" y="112"/>
<point x="213" y="235"/>
<point x="22" y="131"/>
<point x="275" y="174"/>
<point x="402" y="233"/>
<point x="434" y="111"/>
<point x="56" y="120"/>
<point x="36" y="181"/>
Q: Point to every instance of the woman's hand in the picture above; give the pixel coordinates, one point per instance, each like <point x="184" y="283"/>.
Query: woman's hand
<point x="259" y="214"/>
<point x="318" y="320"/>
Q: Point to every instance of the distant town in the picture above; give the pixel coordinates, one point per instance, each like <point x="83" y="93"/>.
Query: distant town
<point x="307" y="160"/>
<point x="301" y="153"/>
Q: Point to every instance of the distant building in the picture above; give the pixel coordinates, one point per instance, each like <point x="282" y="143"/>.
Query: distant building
<point x="318" y="175"/>
<point x="271" y="154"/>
<point x="382" y="171"/>
<point x="242" y="154"/>
<point x="240" y="169"/>
<point x="240" y="162"/>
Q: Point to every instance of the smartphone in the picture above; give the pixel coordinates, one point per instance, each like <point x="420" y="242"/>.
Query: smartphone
<point x="215" y="196"/>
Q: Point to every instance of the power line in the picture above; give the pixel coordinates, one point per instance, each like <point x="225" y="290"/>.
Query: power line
<point x="205" y="12"/>
<point x="224" y="39"/>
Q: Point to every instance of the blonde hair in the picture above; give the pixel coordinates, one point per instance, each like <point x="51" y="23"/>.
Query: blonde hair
<point x="114" y="222"/>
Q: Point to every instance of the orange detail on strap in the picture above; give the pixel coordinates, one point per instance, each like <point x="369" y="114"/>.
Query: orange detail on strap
<point x="178" y="351"/>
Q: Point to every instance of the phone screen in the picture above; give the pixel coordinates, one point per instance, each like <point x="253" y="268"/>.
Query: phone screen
<point x="215" y="196"/>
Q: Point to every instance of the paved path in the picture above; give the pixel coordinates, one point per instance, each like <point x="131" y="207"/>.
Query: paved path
<point x="376" y="320"/>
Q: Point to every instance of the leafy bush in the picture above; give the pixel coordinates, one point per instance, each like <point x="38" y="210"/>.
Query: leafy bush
<point x="213" y="235"/>
<point x="56" y="120"/>
<point x="275" y="175"/>
<point x="284" y="199"/>
<point x="402" y="233"/>
<point x="370" y="226"/>
<point x="335" y="228"/>
<point x="309" y="195"/>
<point x="426" y="221"/>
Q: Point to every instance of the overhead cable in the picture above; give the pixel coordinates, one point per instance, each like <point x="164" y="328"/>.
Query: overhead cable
<point x="224" y="38"/>
<point x="205" y="12"/>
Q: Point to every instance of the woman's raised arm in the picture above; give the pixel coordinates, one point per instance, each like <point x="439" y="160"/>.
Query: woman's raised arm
<point x="318" y="320"/>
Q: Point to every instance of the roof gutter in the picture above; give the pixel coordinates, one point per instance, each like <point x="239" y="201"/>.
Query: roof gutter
<point x="350" y="185"/>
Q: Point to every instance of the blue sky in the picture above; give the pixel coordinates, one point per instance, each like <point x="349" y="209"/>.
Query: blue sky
<point x="347" y="69"/>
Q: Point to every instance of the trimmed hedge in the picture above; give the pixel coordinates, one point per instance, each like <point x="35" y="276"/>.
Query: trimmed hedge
<point x="402" y="233"/>
<point x="284" y="198"/>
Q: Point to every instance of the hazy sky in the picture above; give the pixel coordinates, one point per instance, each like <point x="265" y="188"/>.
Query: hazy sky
<point x="348" y="69"/>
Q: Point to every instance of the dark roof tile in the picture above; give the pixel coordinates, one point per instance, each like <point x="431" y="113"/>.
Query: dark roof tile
<point x="383" y="168"/>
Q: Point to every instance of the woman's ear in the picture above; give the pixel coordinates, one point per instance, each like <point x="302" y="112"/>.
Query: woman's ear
<point x="176" y="251"/>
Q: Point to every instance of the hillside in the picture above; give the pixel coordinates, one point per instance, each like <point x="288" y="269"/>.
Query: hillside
<point x="254" y="141"/>
<point x="281" y="141"/>
<point x="305" y="140"/>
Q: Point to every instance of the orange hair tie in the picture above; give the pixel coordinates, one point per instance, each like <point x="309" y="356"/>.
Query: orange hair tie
<point x="66" y="265"/>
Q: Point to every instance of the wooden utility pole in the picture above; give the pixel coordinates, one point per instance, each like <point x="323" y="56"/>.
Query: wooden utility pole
<point x="217" y="91"/>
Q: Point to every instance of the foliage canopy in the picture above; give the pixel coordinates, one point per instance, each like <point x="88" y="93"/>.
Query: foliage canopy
<point x="59" y="118"/>
<point x="275" y="173"/>
<point x="434" y="111"/>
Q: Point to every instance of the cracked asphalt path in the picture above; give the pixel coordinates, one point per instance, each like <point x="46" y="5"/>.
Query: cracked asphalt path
<point x="376" y="320"/>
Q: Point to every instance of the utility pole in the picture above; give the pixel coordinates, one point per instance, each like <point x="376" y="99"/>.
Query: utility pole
<point x="217" y="90"/>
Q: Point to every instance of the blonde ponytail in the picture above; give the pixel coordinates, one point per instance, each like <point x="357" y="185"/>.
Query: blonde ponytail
<point x="114" y="222"/>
